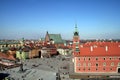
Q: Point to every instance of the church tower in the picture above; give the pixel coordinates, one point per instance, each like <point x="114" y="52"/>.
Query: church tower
<point x="76" y="42"/>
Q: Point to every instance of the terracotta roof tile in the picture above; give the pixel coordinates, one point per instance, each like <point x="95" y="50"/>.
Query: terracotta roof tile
<point x="6" y="56"/>
<point x="100" y="49"/>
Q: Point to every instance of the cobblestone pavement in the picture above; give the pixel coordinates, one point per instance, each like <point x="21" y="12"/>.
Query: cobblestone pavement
<point x="58" y="64"/>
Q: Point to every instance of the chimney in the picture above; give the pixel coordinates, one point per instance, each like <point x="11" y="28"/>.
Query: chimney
<point x="106" y="48"/>
<point x="91" y="48"/>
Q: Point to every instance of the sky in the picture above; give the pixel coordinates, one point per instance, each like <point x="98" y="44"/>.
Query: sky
<point x="95" y="19"/>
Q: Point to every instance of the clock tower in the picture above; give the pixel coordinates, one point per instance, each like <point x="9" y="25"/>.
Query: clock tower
<point x="76" y="42"/>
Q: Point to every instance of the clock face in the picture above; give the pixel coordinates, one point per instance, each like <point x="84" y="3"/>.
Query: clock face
<point x="76" y="39"/>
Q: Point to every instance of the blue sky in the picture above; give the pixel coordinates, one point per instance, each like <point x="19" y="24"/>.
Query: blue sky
<point x="96" y="19"/>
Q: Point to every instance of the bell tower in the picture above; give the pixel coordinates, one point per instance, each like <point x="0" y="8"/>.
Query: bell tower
<point x="76" y="42"/>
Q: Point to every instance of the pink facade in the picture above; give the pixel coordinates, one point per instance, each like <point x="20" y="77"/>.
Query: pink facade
<point x="97" y="64"/>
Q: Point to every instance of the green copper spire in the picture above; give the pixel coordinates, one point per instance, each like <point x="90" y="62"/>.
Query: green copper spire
<point x="76" y="30"/>
<point x="76" y="33"/>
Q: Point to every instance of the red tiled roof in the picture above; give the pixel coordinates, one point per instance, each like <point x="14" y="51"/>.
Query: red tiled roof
<point x="102" y="43"/>
<point x="6" y="56"/>
<point x="100" y="49"/>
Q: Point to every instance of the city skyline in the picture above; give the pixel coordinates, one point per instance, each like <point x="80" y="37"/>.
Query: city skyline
<point x="96" y="19"/>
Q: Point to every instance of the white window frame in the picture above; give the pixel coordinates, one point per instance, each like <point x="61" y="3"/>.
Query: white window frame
<point x="89" y="64"/>
<point x="104" y="64"/>
<point x="112" y="64"/>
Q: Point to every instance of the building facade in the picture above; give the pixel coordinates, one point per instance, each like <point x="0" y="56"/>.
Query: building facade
<point x="96" y="57"/>
<point x="48" y="50"/>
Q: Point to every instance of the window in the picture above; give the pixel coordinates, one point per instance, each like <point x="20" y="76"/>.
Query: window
<point x="119" y="58"/>
<point x="119" y="64"/>
<point x="77" y="50"/>
<point x="79" y="69"/>
<point x="96" y="64"/>
<point x="89" y="59"/>
<point x="76" y="46"/>
<point x="104" y="58"/>
<point x="77" y="43"/>
<point x="110" y="58"/>
<point x="96" y="58"/>
<point x="89" y="64"/>
<point x="104" y="64"/>
<point x="79" y="58"/>
<point x="112" y="64"/>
